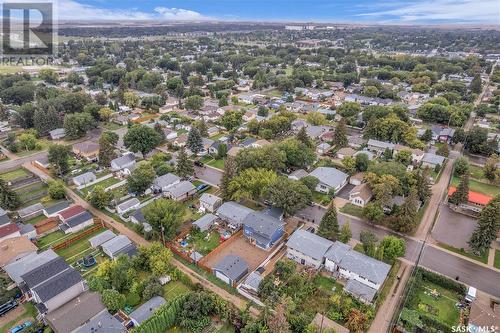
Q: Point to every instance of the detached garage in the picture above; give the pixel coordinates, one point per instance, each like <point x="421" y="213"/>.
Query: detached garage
<point x="231" y="269"/>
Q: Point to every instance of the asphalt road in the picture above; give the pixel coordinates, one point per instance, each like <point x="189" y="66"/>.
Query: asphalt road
<point x="209" y="175"/>
<point x="11" y="164"/>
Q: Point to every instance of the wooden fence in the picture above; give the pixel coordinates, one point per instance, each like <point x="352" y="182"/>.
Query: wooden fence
<point x="98" y="225"/>
<point x="221" y="247"/>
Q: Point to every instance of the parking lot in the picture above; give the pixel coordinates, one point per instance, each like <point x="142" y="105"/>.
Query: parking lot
<point x="453" y="228"/>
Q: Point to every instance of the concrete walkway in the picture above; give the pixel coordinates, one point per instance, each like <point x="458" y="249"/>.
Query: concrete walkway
<point x="491" y="257"/>
<point x="137" y="239"/>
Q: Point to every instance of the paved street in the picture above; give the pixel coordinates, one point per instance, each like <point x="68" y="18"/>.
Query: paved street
<point x="453" y="228"/>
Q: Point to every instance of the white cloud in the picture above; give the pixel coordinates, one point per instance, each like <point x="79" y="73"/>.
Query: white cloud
<point x="479" y="11"/>
<point x="74" y="10"/>
<point x="179" y="14"/>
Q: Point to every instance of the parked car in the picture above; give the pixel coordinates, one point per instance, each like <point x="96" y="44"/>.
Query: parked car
<point x="21" y="327"/>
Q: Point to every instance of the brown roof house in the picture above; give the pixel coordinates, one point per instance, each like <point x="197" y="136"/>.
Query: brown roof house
<point x="360" y="195"/>
<point x="87" y="149"/>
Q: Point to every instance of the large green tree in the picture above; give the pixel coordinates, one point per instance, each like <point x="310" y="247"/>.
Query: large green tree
<point x="107" y="143"/>
<point x="392" y="247"/>
<point x="76" y="125"/>
<point x="230" y="171"/>
<point x="487" y="227"/>
<point x="141" y="177"/>
<point x="194" y="141"/>
<point x="340" y="134"/>
<point x="251" y="184"/>
<point x="8" y="198"/>
<point x="46" y="120"/>
<point x="461" y="194"/>
<point x="99" y="198"/>
<point x="329" y="225"/>
<point x="59" y="158"/>
<point x="141" y="138"/>
<point x="184" y="165"/>
<point x="291" y="195"/>
<point x="165" y="216"/>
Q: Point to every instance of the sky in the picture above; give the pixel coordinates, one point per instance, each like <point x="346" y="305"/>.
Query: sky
<point x="361" y="11"/>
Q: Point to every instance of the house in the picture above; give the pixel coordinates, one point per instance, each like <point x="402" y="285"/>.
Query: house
<point x="379" y="147"/>
<point x="15" y="248"/>
<point x="252" y="282"/>
<point x="74" y="315"/>
<point x="180" y="141"/>
<point x="442" y="134"/>
<point x="232" y="152"/>
<point x="357" y="178"/>
<point x="307" y="249"/>
<point x="52" y="284"/>
<point x="137" y="217"/>
<point x="162" y="183"/>
<point x="124" y="163"/>
<point x="360" y="195"/>
<point x="127" y="206"/>
<point x="209" y="202"/>
<point x="102" y="322"/>
<point x="146" y="310"/>
<point x="27" y="230"/>
<point x="42" y="162"/>
<point x="214" y="130"/>
<point x="233" y="213"/>
<point x="180" y="191"/>
<point x="87" y="149"/>
<point x="345" y="262"/>
<point x="4" y="218"/>
<point x="10" y="230"/>
<point x="101" y="238"/>
<point x="205" y="222"/>
<point x="368" y="154"/>
<point x="329" y="179"/>
<point x="248" y="142"/>
<point x="29" y="262"/>
<point x="231" y="269"/>
<point x="120" y="244"/>
<point x="77" y="222"/>
<point x="345" y="152"/>
<point x="53" y="210"/>
<point x="57" y="133"/>
<point x="260" y="143"/>
<point x="169" y="133"/>
<point x="356" y="141"/>
<point x="416" y="154"/>
<point x="262" y="230"/>
<point x="476" y="201"/>
<point x="432" y="160"/>
<point x="84" y="179"/>
<point x="323" y="148"/>
<point x="28" y="212"/>
<point x="298" y="174"/>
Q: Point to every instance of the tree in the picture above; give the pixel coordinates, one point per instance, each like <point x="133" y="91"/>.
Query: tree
<point x="371" y="91"/>
<point x="303" y="137"/>
<point x="404" y="157"/>
<point x="278" y="322"/>
<point x="230" y="171"/>
<point x="315" y="118"/>
<point x="76" y="125"/>
<point x="461" y="194"/>
<point x="8" y="198"/>
<point x="105" y="113"/>
<point x="443" y="150"/>
<point x="194" y="141"/>
<point x="58" y="158"/>
<point x="461" y="166"/>
<point x="427" y="136"/>
<point x="99" y="198"/>
<point x="369" y="241"/>
<point x="458" y="136"/>
<point x="48" y="75"/>
<point x="113" y="300"/>
<point x="194" y="102"/>
<point x="25" y="114"/>
<point x="476" y="84"/>
<point x="141" y="138"/>
<point x="374" y="212"/>
<point x="141" y="177"/>
<point x="165" y="216"/>
<point x="56" y="190"/>
<point x="423" y="184"/>
<point x="107" y="143"/>
<point x="310" y="181"/>
<point x="131" y="99"/>
<point x="45" y="120"/>
<point x="487" y="227"/>
<point x="202" y="127"/>
<point x="356" y="321"/>
<point x="298" y="155"/>
<point x="349" y="164"/>
<point x="329" y="225"/>
<point x="362" y="162"/>
<point x="392" y="247"/>
<point x="184" y="166"/>
<point x="340" y="134"/>
<point x="291" y="195"/>
<point x="345" y="233"/>
<point x="406" y="220"/>
<point x="251" y="184"/>
<point x="231" y="120"/>
<point x="28" y="141"/>
<point x="490" y="170"/>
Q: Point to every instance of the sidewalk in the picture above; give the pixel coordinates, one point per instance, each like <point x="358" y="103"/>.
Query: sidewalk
<point x="137" y="239"/>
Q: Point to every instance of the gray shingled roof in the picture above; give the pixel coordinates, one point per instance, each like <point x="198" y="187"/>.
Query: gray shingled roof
<point x="234" y="267"/>
<point x="28" y="263"/>
<point x="253" y="280"/>
<point x="4" y="219"/>
<point x="102" y="238"/>
<point x="104" y="322"/>
<point x="433" y="159"/>
<point x="147" y="309"/>
<point x="233" y="211"/>
<point x="329" y="176"/>
<point x="337" y="251"/>
<point x="205" y="221"/>
<point x="128" y="204"/>
<point x="165" y="180"/>
<point x="124" y="161"/>
<point x="209" y="198"/>
<point x="360" y="290"/>
<point x="263" y="224"/>
<point x="309" y="244"/>
<point x="58" y="284"/>
<point x="79" y="219"/>
<point x="45" y="272"/>
<point x="60" y="206"/>
<point x="84" y="178"/>
<point x="29" y="210"/>
<point x="380" y="144"/>
<point x="181" y="189"/>
<point x="116" y="244"/>
<point x="365" y="266"/>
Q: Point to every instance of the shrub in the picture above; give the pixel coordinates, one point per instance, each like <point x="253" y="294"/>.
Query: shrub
<point x="133" y="299"/>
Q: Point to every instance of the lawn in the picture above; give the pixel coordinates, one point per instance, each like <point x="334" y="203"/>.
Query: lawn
<point x="218" y="163"/>
<point x="28" y="315"/>
<point x="480" y="187"/>
<point x="10" y="69"/>
<point x="174" y="288"/>
<point x="43" y="145"/>
<point x="477" y="173"/>
<point x="205" y="242"/>
<point x="353" y="210"/>
<point x="327" y="284"/>
<point x="441" y="307"/>
<point x="14" y="174"/>
<point x="50" y="239"/>
<point x="105" y="184"/>
<point x="321" y="198"/>
<point x="497" y="259"/>
<point x="483" y="258"/>
<point x="78" y="247"/>
<point x="36" y="219"/>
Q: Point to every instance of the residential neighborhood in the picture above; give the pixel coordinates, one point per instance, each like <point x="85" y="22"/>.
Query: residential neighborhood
<point x="244" y="177"/>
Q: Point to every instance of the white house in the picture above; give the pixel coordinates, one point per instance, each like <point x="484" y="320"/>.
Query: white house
<point x="209" y="202"/>
<point x="128" y="205"/>
<point x="360" y="195"/>
<point x="307" y="249"/>
<point x="123" y="163"/>
<point x="329" y="179"/>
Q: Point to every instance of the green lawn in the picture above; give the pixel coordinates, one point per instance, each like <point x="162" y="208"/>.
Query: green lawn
<point x="174" y="288"/>
<point x="352" y="210"/>
<point x="442" y="307"/>
<point x="28" y="315"/>
<point x="36" y="219"/>
<point x="483" y="258"/>
<point x="321" y="198"/>
<point x="50" y="239"/>
<point x="327" y="284"/>
<point x="78" y="247"/>
<point x="477" y="173"/>
<point x="105" y="184"/>
<point x="497" y="259"/>
<point x="480" y="187"/>
<point x="14" y="174"/>
<point x="205" y="242"/>
<point x="43" y="145"/>
<point x="10" y="69"/>
<point x="219" y="164"/>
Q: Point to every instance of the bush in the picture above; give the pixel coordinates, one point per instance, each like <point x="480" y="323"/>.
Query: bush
<point x="133" y="299"/>
<point x="56" y="190"/>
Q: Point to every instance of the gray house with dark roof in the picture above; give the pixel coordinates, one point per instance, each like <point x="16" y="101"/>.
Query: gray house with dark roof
<point x="162" y="183"/>
<point x="53" y="210"/>
<point x="231" y="269"/>
<point x="146" y="310"/>
<point x="329" y="179"/>
<point x="307" y="248"/>
<point x="233" y="213"/>
<point x="262" y="230"/>
<point x="77" y="223"/>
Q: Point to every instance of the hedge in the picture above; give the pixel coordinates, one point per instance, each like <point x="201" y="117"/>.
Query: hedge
<point x="442" y="281"/>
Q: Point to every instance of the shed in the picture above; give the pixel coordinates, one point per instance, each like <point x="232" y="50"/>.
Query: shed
<point x="102" y="238"/>
<point x="146" y="310"/>
<point x="231" y="269"/>
<point x="205" y="222"/>
<point x="113" y="246"/>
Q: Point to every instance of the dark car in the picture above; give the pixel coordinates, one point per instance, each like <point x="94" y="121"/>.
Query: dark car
<point x="199" y="163"/>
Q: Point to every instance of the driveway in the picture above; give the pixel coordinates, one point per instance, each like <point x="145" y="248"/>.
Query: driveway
<point x="344" y="192"/>
<point x="453" y="228"/>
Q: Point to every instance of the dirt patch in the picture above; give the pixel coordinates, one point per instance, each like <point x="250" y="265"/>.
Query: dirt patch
<point x="12" y="315"/>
